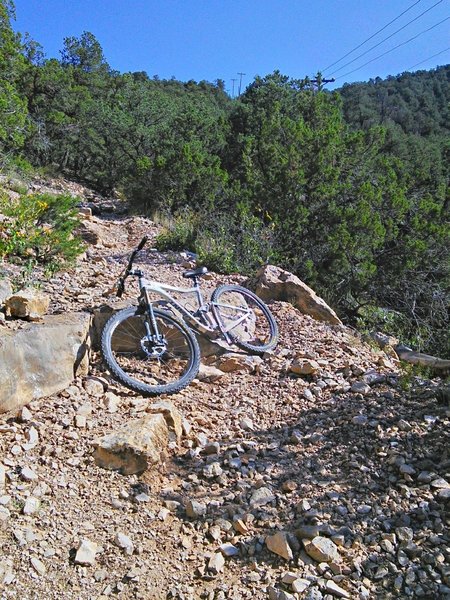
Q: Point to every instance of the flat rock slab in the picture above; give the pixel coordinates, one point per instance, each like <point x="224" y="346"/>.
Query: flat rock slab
<point x="42" y="359"/>
<point x="135" y="447"/>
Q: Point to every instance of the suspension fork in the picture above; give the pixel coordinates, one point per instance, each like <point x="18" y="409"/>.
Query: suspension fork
<point x="150" y="324"/>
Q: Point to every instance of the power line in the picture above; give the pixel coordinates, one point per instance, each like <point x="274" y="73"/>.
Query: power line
<point x="372" y="36"/>
<point x="394" y="48"/>
<point x="429" y="58"/>
<point x="385" y="39"/>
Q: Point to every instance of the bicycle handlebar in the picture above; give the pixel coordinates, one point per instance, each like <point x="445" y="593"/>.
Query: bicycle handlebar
<point x="122" y="278"/>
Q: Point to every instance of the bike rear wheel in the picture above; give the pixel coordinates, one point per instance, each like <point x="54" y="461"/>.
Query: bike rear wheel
<point x="148" y="367"/>
<point x="245" y="318"/>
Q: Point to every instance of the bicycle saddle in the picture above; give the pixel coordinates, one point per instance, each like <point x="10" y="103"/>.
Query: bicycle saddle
<point x="195" y="273"/>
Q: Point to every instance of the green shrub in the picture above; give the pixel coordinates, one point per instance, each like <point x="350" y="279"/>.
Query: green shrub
<point x="224" y="242"/>
<point x="179" y="232"/>
<point x="40" y="228"/>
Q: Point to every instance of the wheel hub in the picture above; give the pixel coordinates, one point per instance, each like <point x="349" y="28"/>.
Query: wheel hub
<point x="153" y="349"/>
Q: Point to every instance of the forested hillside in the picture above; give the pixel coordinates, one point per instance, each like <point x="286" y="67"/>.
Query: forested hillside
<point x="346" y="189"/>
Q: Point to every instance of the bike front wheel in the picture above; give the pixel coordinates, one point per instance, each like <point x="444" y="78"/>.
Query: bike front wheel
<point x="245" y="318"/>
<point x="143" y="364"/>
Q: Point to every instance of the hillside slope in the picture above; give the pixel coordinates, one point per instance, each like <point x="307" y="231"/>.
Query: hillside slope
<point x="352" y="456"/>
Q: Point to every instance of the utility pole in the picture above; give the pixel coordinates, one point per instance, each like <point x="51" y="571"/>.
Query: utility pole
<point x="233" y="80"/>
<point x="240" y="81"/>
<point x="319" y="81"/>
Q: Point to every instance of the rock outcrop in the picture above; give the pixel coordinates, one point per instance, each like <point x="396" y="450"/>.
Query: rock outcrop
<point x="273" y="283"/>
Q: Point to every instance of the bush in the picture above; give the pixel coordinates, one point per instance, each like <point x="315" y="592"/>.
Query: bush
<point x="40" y="228"/>
<point x="179" y="232"/>
<point x="224" y="242"/>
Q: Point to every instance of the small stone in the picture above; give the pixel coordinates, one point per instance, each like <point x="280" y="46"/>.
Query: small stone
<point x="289" y="577"/>
<point x="163" y="514"/>
<point x="27" y="304"/>
<point x="321" y="549"/>
<point x="28" y="474"/>
<point x="246" y="424"/>
<point x="4" y="514"/>
<point x="228" y="549"/>
<point x="440" y="484"/>
<point x="86" y="553"/>
<point x="364" y="509"/>
<point x="240" y="526"/>
<point x="360" y="420"/>
<point x="32" y="437"/>
<point x="38" y="566"/>
<point x="299" y="585"/>
<point x="303" y="506"/>
<point x="25" y="415"/>
<point x="211" y="448"/>
<point x="302" y="366"/>
<point x="216" y="563"/>
<point x="444" y="494"/>
<point x="278" y="544"/>
<point x="31" y="506"/>
<point x="111" y="402"/>
<point x="360" y="387"/>
<point x="336" y="590"/>
<point x="209" y="374"/>
<point x="212" y="470"/>
<point x="80" y="421"/>
<point x="404" y="534"/>
<point x="123" y="541"/>
<point x="2" y="477"/>
<point x="261" y="497"/>
<point x="407" y="469"/>
<point x="195" y="509"/>
<point x="93" y="386"/>
<point x="289" y="486"/>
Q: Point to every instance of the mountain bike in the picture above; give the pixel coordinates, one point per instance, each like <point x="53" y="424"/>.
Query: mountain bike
<point x="152" y="349"/>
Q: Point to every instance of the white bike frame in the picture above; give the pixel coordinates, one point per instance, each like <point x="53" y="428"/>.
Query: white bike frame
<point x="207" y="325"/>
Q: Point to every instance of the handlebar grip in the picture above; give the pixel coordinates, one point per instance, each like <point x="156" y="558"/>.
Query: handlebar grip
<point x="142" y="242"/>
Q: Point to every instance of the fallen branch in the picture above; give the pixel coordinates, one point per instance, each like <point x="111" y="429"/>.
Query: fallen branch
<point x="425" y="360"/>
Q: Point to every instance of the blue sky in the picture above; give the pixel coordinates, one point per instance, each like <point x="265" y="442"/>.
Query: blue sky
<point x="217" y="39"/>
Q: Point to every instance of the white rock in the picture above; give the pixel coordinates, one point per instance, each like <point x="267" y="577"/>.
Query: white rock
<point x="86" y="553"/>
<point x="195" y="509"/>
<point x="336" y="590"/>
<point x="228" y="549"/>
<point x="216" y="563"/>
<point x="300" y="585"/>
<point x="246" y="424"/>
<point x="38" y="566"/>
<point x="31" y="506"/>
<point x="123" y="541"/>
<point x="28" y="474"/>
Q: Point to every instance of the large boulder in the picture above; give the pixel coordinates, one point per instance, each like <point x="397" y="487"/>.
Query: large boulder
<point x="42" y="359"/>
<point x="273" y="283"/>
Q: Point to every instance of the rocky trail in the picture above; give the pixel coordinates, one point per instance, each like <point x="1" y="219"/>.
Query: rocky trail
<point x="318" y="472"/>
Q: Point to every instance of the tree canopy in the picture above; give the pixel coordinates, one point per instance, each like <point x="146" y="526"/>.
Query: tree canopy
<point x="348" y="189"/>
